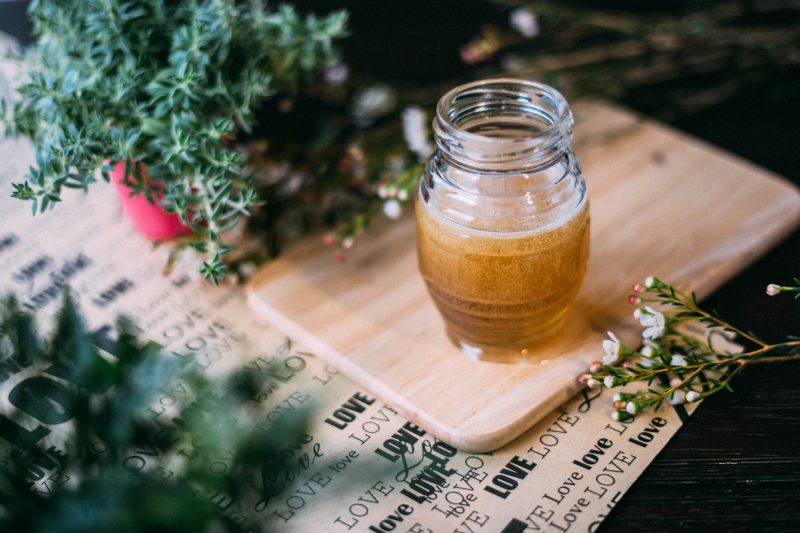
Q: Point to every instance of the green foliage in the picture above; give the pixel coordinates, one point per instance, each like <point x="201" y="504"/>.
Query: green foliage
<point x="105" y="397"/>
<point x="166" y="84"/>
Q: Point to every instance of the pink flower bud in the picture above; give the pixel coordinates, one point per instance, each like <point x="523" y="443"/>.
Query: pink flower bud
<point x="633" y="299"/>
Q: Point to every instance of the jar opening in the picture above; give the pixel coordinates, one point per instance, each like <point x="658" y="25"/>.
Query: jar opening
<point x="506" y="121"/>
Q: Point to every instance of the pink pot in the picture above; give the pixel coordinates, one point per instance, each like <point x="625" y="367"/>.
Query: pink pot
<point x="148" y="219"/>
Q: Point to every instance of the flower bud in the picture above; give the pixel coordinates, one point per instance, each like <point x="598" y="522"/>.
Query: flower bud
<point x="633" y="299"/>
<point x="595" y="367"/>
<point x="677" y="397"/>
<point x="622" y="396"/>
<point x="652" y="282"/>
<point x="620" y="416"/>
<point x="648" y="351"/>
<point x="773" y="289"/>
<point x="675" y="382"/>
<point x="593" y="383"/>
<point x="638" y="288"/>
<point x="677" y="360"/>
<point x="633" y="408"/>
<point x="610" y="381"/>
<point x="692" y="396"/>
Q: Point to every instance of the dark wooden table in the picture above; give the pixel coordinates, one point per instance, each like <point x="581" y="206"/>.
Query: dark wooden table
<point x="735" y="466"/>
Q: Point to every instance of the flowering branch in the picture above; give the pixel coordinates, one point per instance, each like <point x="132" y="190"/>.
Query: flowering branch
<point x="678" y="367"/>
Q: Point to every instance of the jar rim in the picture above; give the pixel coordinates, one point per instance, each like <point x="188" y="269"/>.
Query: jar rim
<point x="537" y="117"/>
<point x="446" y="102"/>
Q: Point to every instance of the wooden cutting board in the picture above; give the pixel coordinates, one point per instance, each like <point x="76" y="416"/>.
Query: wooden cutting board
<point x="662" y="203"/>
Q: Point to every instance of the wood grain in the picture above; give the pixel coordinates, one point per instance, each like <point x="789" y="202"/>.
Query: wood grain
<point x="662" y="203"/>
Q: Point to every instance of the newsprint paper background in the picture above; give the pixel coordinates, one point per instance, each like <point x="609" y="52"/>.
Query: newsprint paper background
<point x="565" y="474"/>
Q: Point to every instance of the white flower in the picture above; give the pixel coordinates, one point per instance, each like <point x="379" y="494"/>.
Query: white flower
<point x="337" y="74"/>
<point x="402" y="195"/>
<point x="609" y="381"/>
<point x="187" y="263"/>
<point x="612" y="348"/>
<point x="773" y="289"/>
<point x="677" y="360"/>
<point x="392" y="209"/>
<point x="653" y="322"/>
<point x="677" y="397"/>
<point x="648" y="351"/>
<point x="674" y="382"/>
<point x="373" y="102"/>
<point x="415" y="131"/>
<point x="247" y="270"/>
<point x="348" y="243"/>
<point x="525" y="22"/>
<point x="632" y="408"/>
<point x="692" y="396"/>
<point x="593" y="383"/>
<point x="649" y="282"/>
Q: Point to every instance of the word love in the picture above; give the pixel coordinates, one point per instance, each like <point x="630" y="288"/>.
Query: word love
<point x="593" y="455"/>
<point x="349" y="410"/>
<point x="434" y="475"/>
<point x="391" y="521"/>
<point x="401" y="442"/>
<point x="649" y="432"/>
<point x="503" y="483"/>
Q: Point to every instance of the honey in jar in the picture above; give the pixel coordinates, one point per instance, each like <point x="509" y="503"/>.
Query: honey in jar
<point x="502" y="216"/>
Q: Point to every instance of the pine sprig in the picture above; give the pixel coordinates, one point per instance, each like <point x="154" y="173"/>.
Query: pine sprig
<point x="678" y="367"/>
<point x="167" y="85"/>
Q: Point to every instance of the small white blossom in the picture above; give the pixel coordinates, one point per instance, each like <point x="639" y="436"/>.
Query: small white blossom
<point x="609" y="381"/>
<point x="373" y="102"/>
<point x="649" y="282"/>
<point x="654" y="322"/>
<point x="348" y="243"/>
<point x="247" y="270"/>
<point x="415" y="131"/>
<point x="674" y="382"/>
<point x="593" y="383"/>
<point x="402" y="195"/>
<point x="677" y="397"/>
<point x="773" y="289"/>
<point x="392" y="209"/>
<point x="188" y="263"/>
<point x="648" y="351"/>
<point x="612" y="348"/>
<point x="692" y="396"/>
<point x="632" y="408"/>
<point x="337" y="74"/>
<point x="525" y="22"/>
<point x="677" y="360"/>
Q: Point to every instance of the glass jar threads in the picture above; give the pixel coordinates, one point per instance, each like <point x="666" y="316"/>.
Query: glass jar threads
<point x="502" y="215"/>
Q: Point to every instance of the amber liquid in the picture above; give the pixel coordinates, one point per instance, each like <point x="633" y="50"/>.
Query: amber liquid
<point x="502" y="291"/>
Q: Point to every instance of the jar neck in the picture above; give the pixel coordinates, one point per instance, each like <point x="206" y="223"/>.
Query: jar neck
<point x="503" y="125"/>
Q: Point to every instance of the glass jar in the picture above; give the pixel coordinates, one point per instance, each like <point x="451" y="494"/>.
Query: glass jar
<point x="502" y="215"/>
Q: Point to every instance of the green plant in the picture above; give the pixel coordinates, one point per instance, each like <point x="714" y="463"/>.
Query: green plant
<point x="166" y="84"/>
<point x="78" y="468"/>
<point x="676" y="366"/>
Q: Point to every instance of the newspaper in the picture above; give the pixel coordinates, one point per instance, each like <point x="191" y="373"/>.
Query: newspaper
<point x="378" y="472"/>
